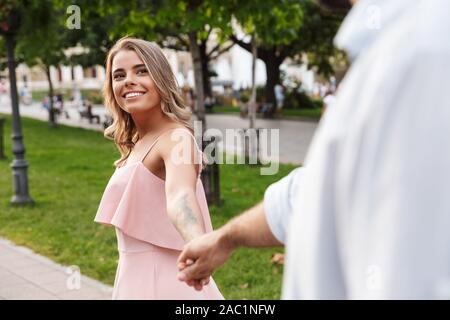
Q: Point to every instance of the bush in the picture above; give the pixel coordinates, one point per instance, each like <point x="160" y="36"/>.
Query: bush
<point x="222" y="99"/>
<point x="261" y="94"/>
<point x="297" y="99"/>
<point x="38" y="95"/>
<point x="245" y="96"/>
<point x="94" y="96"/>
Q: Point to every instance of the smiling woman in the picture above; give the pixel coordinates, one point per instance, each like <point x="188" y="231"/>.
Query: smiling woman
<point x="140" y="67"/>
<point x="133" y="88"/>
<point x="155" y="201"/>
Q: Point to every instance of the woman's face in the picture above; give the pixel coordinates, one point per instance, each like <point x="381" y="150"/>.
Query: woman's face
<point x="134" y="89"/>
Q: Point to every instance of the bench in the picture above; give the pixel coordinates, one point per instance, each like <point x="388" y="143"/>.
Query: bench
<point x="89" y="115"/>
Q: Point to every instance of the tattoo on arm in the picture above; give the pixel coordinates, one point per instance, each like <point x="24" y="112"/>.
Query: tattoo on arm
<point x="186" y="220"/>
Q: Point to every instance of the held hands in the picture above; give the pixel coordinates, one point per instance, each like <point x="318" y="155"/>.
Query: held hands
<point x="197" y="284"/>
<point x="201" y="256"/>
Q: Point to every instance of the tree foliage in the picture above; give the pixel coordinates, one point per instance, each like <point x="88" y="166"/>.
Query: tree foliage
<point x="285" y="29"/>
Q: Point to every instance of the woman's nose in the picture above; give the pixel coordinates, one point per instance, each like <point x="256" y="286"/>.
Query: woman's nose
<point x="129" y="80"/>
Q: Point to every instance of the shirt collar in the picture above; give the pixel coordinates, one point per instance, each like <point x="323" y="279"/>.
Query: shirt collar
<point x="365" y="22"/>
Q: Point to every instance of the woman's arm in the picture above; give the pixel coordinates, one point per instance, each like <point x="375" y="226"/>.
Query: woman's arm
<point x="181" y="183"/>
<point x="205" y="254"/>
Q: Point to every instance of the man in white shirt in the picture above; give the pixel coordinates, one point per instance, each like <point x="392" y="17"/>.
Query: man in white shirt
<point x="371" y="211"/>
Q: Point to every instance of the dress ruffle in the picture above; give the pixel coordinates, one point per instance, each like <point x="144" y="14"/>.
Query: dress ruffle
<point x="134" y="201"/>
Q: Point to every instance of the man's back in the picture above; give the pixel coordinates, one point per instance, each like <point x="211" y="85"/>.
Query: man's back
<point x="374" y="215"/>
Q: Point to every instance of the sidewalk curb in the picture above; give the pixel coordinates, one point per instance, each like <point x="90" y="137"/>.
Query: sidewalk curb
<point x="102" y="289"/>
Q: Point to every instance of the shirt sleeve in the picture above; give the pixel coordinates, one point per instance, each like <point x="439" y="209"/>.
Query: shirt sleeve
<point x="278" y="203"/>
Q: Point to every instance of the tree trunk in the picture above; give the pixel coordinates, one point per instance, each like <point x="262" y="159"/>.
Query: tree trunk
<point x="210" y="174"/>
<point x="273" y="78"/>
<point x="207" y="91"/>
<point x="198" y="77"/>
<point x="51" y="110"/>
<point x="272" y="62"/>
<point x="250" y="145"/>
<point x="252" y="109"/>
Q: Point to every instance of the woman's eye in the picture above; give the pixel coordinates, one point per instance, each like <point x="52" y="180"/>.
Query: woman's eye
<point x="117" y="76"/>
<point x="142" y="71"/>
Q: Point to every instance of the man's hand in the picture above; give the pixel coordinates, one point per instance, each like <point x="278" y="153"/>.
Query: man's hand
<point x="206" y="253"/>
<point x="201" y="256"/>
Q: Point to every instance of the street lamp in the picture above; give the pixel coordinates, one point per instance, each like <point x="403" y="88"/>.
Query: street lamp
<point x="19" y="165"/>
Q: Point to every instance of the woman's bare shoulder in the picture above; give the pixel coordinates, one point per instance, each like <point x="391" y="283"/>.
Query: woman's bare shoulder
<point x="180" y="139"/>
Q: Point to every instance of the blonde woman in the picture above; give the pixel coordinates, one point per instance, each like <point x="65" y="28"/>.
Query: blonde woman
<point x="155" y="198"/>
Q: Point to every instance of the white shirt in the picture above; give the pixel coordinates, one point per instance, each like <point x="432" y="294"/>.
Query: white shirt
<point x="372" y="213"/>
<point x="279" y="202"/>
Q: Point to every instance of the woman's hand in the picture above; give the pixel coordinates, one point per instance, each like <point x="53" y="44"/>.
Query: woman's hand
<point x="203" y="255"/>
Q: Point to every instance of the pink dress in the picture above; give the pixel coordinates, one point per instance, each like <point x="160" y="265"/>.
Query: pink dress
<point x="134" y="202"/>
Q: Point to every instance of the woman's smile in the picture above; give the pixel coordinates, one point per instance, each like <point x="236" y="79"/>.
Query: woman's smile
<point x="133" y="95"/>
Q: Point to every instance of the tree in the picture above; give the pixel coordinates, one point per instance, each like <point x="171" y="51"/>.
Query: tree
<point x="180" y="42"/>
<point x="287" y="29"/>
<point x="197" y="19"/>
<point x="96" y="36"/>
<point x="43" y="45"/>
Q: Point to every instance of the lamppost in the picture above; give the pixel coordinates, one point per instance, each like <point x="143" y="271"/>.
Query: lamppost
<point x="19" y="165"/>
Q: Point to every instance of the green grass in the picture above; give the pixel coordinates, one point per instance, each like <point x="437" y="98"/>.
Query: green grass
<point x="293" y="114"/>
<point x="38" y="96"/>
<point x="302" y="113"/>
<point x="93" y="95"/>
<point x="225" y="109"/>
<point x="68" y="170"/>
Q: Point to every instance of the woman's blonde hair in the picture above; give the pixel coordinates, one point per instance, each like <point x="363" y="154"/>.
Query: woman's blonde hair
<point x="123" y="130"/>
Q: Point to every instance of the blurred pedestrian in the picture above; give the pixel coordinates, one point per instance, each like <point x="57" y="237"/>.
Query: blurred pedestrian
<point x="279" y="97"/>
<point x="59" y="105"/>
<point x="328" y="100"/>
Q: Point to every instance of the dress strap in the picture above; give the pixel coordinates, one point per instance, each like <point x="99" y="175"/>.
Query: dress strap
<point x="154" y="142"/>
<point x="165" y="132"/>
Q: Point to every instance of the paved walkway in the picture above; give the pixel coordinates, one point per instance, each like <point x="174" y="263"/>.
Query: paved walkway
<point x="26" y="275"/>
<point x="294" y="135"/>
